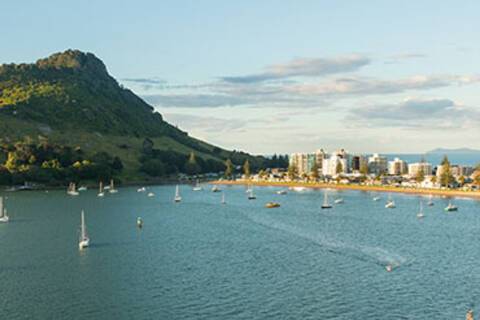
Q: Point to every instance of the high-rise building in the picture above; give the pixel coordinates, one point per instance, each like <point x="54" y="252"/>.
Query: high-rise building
<point x="333" y="163"/>
<point x="415" y="168"/>
<point x="397" y="167"/>
<point x="377" y="164"/>
<point x="357" y="162"/>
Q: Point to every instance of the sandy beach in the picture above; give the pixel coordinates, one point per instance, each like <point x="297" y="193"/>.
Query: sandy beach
<point x="419" y="191"/>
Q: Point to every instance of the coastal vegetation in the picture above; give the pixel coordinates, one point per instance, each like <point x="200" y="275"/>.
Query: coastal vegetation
<point x="64" y="118"/>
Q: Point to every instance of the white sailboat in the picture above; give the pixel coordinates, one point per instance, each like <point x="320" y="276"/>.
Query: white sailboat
<point x="82" y="188"/>
<point x="338" y="200"/>
<point x="3" y="212"/>
<point x="390" y="203"/>
<point x="420" y="214"/>
<point x="84" y="241"/>
<point x="326" y="204"/>
<point x="72" y="190"/>
<point x="251" y="195"/>
<point x="197" y="186"/>
<point x="151" y="194"/>
<point x="223" y="198"/>
<point x="177" y="198"/>
<point x="142" y="189"/>
<point x="215" y="189"/>
<point x="101" y="193"/>
<point x="112" y="187"/>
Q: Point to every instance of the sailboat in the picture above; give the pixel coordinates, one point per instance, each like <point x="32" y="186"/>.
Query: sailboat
<point x="177" y="198"/>
<point x="420" y="214"/>
<point x="197" y="186"/>
<point x="3" y="212"/>
<point x="430" y="201"/>
<point x="223" y="198"/>
<point x="142" y="189"/>
<point x="215" y="189"/>
<point x="451" y="207"/>
<point x="338" y="200"/>
<point x="112" y="187"/>
<point x="101" y="193"/>
<point x="72" y="190"/>
<point x="326" y="204"/>
<point x="390" y="203"/>
<point x="84" y="241"/>
<point x="82" y="188"/>
<point x="251" y="195"/>
<point x="139" y="222"/>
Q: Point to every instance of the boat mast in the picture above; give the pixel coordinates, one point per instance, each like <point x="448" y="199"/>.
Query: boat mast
<point x="1" y="207"/>
<point x="83" y="228"/>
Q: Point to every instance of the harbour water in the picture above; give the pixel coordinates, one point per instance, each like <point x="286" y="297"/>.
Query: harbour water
<point x="200" y="259"/>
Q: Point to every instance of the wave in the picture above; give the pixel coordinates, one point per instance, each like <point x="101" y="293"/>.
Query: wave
<point x="376" y="255"/>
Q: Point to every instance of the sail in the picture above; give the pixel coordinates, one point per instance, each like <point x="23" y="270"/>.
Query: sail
<point x="111" y="184"/>
<point x="177" y="192"/>
<point x="100" y="187"/>
<point x="83" y="234"/>
<point x="325" y="198"/>
<point x="1" y="207"/>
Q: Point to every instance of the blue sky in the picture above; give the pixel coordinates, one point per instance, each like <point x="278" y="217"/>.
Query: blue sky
<point x="279" y="76"/>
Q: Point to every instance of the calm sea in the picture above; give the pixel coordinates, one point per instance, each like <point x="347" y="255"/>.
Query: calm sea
<point x="470" y="159"/>
<point x="199" y="259"/>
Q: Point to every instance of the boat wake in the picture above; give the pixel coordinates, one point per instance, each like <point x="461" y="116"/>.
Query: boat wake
<point x="376" y="255"/>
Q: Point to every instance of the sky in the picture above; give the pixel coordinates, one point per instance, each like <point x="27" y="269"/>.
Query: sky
<point x="279" y="76"/>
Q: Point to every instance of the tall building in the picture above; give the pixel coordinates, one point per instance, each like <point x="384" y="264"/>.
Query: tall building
<point x="357" y="162"/>
<point x="397" y="167"/>
<point x="377" y="164"/>
<point x="414" y="168"/>
<point x="334" y="162"/>
<point x="319" y="156"/>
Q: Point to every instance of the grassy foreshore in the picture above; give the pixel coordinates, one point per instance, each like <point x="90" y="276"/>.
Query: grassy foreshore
<point x="371" y="188"/>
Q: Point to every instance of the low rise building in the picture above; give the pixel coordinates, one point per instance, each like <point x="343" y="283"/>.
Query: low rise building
<point x="397" y="167"/>
<point x="377" y="164"/>
<point x="414" y="169"/>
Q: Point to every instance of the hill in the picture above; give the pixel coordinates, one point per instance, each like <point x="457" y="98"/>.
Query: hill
<point x="454" y="151"/>
<point x="69" y="101"/>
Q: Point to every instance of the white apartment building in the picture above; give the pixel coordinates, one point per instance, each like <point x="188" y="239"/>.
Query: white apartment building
<point x="397" y="167"/>
<point x="330" y="164"/>
<point x="415" y="168"/>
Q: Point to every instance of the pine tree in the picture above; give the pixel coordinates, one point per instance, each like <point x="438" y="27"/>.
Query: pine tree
<point x="228" y="168"/>
<point x="246" y="169"/>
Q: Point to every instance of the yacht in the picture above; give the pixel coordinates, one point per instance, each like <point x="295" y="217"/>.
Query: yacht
<point x="451" y="207"/>
<point x="82" y="188"/>
<point x="215" y="189"/>
<point x="197" y="186"/>
<point x="390" y="203"/>
<point x="338" y="200"/>
<point x="420" y="214"/>
<point x="139" y="222"/>
<point x="177" y="198"/>
<point x="326" y="204"/>
<point x="112" y="187"/>
<point x="84" y="241"/>
<point x="72" y="190"/>
<point x="151" y="194"/>
<point x="271" y="205"/>
<point x="142" y="189"/>
<point x="251" y="195"/>
<point x="223" y="198"/>
<point x="3" y="212"/>
<point x="101" y="193"/>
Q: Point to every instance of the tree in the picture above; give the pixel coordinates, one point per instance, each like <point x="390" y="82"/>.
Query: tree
<point x="314" y="172"/>
<point x="461" y="180"/>
<point x="228" y="168"/>
<point x="191" y="166"/>
<point x="153" y="167"/>
<point x="364" y="168"/>
<point x="246" y="169"/>
<point x="292" y="172"/>
<point x="117" y="164"/>
<point x="476" y="176"/>
<point x="446" y="177"/>
<point x="420" y="175"/>
<point x="339" y="168"/>
<point x="433" y="179"/>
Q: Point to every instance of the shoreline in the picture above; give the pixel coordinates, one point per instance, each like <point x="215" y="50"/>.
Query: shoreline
<point x="434" y="192"/>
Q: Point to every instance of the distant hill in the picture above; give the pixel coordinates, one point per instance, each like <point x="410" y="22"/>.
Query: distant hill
<point x="70" y="99"/>
<point x="454" y="151"/>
